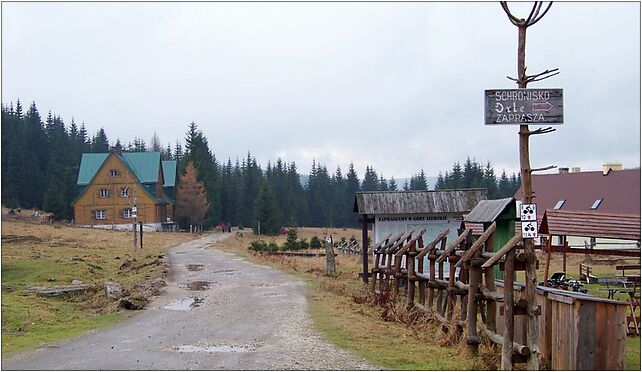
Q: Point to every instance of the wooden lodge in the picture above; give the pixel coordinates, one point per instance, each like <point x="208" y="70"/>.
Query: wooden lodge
<point x="111" y="184"/>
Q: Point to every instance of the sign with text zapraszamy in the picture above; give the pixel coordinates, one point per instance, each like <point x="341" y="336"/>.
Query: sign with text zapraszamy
<point x="523" y="106"/>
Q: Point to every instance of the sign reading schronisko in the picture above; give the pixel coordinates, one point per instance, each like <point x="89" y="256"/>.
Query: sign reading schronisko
<point x="523" y="106"/>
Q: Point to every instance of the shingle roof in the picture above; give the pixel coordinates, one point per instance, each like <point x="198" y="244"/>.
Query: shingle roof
<point x="619" y="189"/>
<point x="597" y="225"/>
<point x="488" y="210"/>
<point x="414" y="202"/>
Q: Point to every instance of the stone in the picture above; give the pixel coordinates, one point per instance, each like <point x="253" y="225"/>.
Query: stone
<point x="61" y="290"/>
<point x="76" y="282"/>
<point x="113" y="291"/>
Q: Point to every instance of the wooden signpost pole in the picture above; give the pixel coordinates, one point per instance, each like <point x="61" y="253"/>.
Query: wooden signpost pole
<point x="532" y="328"/>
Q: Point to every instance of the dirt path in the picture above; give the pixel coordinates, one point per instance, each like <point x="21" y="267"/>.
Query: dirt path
<point x="245" y="317"/>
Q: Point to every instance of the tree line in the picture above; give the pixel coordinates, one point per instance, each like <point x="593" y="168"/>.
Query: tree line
<point x="40" y="164"/>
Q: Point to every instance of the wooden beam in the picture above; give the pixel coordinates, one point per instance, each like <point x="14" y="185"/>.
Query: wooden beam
<point x="500" y="253"/>
<point x="460" y="239"/>
<point x="381" y="243"/>
<point x="494" y="337"/>
<point x="477" y="244"/>
<point x="433" y="244"/>
<point x="410" y="243"/>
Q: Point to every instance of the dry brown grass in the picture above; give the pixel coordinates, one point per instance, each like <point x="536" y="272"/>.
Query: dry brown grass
<point x="56" y="254"/>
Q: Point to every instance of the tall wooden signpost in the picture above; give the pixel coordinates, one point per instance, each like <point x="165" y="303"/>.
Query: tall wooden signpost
<point x="523" y="107"/>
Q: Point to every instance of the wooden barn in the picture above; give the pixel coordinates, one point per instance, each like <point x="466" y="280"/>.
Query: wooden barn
<point x="111" y="184"/>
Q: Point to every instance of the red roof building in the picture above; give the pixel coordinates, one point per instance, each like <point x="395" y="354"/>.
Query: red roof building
<point x="614" y="191"/>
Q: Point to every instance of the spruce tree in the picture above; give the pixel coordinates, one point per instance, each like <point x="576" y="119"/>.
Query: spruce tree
<point x="418" y="182"/>
<point x="100" y="143"/>
<point x="265" y="211"/>
<point x="504" y="186"/>
<point x="370" y="180"/>
<point x="392" y="184"/>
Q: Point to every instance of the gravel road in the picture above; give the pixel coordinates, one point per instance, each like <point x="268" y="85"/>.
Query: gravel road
<point x="218" y="311"/>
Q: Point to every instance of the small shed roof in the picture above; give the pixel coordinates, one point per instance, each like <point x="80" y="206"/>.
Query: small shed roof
<point x="488" y="210"/>
<point x="591" y="224"/>
<point x="416" y="202"/>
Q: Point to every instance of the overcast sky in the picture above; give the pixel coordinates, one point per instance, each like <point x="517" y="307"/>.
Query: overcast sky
<point x="398" y="86"/>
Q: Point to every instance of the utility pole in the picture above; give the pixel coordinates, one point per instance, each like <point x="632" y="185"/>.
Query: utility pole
<point x="522" y="80"/>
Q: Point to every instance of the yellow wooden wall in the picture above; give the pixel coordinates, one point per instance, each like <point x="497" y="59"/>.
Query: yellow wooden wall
<point x="90" y="201"/>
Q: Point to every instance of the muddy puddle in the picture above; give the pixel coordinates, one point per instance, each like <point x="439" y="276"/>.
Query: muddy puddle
<point x="184" y="304"/>
<point x="199" y="285"/>
<point x="195" y="267"/>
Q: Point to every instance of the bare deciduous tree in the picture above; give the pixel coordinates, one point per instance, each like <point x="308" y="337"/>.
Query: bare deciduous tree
<point x="191" y="201"/>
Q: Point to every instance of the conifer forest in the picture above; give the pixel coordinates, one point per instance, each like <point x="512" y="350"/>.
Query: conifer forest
<point x="41" y="157"/>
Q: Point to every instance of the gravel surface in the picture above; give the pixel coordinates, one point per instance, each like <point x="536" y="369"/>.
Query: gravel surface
<point x="218" y="311"/>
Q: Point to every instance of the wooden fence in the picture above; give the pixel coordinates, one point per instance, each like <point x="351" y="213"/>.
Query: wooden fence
<point x="575" y="331"/>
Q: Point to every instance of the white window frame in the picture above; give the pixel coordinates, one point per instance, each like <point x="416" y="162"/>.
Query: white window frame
<point x="127" y="213"/>
<point x="124" y="192"/>
<point x="114" y="173"/>
<point x="103" y="193"/>
<point x="101" y="214"/>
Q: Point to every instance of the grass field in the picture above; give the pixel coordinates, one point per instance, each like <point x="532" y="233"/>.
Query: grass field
<point x="35" y="254"/>
<point x="340" y="310"/>
<point x="47" y="255"/>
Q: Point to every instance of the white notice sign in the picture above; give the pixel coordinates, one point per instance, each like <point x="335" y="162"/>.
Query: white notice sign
<point x="529" y="229"/>
<point x="528" y="212"/>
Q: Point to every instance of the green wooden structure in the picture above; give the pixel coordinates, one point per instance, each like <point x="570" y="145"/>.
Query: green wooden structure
<point x="504" y="213"/>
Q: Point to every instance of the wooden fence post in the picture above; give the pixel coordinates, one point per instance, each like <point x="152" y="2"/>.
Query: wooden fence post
<point x="489" y="278"/>
<point x="509" y="325"/>
<point x="472" y="339"/>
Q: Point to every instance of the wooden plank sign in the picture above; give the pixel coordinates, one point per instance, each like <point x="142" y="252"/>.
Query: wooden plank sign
<point x="523" y="106"/>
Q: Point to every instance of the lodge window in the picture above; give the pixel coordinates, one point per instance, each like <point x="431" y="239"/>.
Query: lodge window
<point x="114" y="173"/>
<point x="559" y="204"/>
<point x="101" y="214"/>
<point x="124" y="192"/>
<point x="103" y="193"/>
<point x="127" y="213"/>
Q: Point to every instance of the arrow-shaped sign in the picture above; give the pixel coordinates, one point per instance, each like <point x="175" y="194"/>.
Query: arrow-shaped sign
<point x="542" y="106"/>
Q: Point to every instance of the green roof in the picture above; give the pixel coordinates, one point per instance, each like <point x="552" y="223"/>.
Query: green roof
<point x="144" y="165"/>
<point x="89" y="165"/>
<point x="169" y="173"/>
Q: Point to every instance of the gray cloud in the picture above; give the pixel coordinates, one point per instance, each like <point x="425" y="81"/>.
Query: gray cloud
<point x="396" y="86"/>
